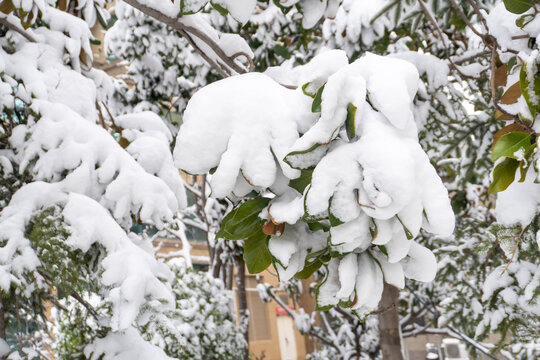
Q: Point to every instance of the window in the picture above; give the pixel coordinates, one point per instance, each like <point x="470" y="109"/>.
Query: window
<point x="452" y="351"/>
<point x="201" y="267"/>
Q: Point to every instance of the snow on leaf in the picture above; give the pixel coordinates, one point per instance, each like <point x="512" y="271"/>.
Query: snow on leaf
<point x="243" y="136"/>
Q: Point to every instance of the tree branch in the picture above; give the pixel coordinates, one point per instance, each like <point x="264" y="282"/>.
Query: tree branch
<point x="4" y="20"/>
<point x="224" y="64"/>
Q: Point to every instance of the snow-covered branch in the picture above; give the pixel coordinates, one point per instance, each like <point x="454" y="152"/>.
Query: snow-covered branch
<point x="222" y="51"/>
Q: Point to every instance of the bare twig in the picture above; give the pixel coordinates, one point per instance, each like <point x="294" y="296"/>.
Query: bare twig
<point x="466" y="19"/>
<point x="76" y="296"/>
<point x="479" y="13"/>
<point x="426" y="11"/>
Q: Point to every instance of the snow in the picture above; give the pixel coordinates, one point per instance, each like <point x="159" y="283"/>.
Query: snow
<point x="378" y="180"/>
<point x="241" y="10"/>
<point x="502" y="25"/>
<point x="369" y="284"/>
<point x="95" y="165"/>
<point x="347" y="271"/>
<point x="149" y="145"/>
<point x="126" y="345"/>
<point x="4" y="348"/>
<point x="292" y="248"/>
<point x="351" y="236"/>
<point x="392" y="272"/>
<point x="237" y="135"/>
<point x="132" y="275"/>
<point x="420" y="263"/>
<point x="518" y="204"/>
<point x="288" y="208"/>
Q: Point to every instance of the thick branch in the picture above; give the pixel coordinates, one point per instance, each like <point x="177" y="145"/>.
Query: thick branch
<point x="224" y="64"/>
<point x="4" y="20"/>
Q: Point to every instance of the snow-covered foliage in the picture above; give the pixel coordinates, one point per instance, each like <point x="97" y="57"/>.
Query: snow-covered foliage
<point x="200" y="326"/>
<point x="72" y="192"/>
<point x="391" y="193"/>
<point x="332" y="158"/>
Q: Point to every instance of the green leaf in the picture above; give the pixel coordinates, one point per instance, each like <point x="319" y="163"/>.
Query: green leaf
<point x="523" y="168"/>
<point x="350" y="123"/>
<point x="220" y="9"/>
<point x="316" y="105"/>
<point x="287" y="159"/>
<point x="524" y="20"/>
<point x="309" y="269"/>
<point x="334" y="221"/>
<point x="510" y="143"/>
<point x="282" y="51"/>
<point x="243" y="221"/>
<point x="348" y="303"/>
<point x="316" y="226"/>
<point x="304" y="87"/>
<point x="300" y="184"/>
<point x="100" y="18"/>
<point x="383" y="249"/>
<point x="526" y="88"/>
<point x="309" y="218"/>
<point x="405" y="229"/>
<point x="256" y="254"/>
<point x="511" y="63"/>
<point x="503" y="175"/>
<point x="518" y="6"/>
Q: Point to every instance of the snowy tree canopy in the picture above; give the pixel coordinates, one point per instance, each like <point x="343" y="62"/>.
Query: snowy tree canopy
<point x="360" y="141"/>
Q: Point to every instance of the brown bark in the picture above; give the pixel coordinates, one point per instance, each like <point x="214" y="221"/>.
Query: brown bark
<point x="390" y="341"/>
<point x="243" y="311"/>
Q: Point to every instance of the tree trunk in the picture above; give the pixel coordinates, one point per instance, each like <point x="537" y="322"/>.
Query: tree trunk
<point x="389" y="332"/>
<point x="243" y="311"/>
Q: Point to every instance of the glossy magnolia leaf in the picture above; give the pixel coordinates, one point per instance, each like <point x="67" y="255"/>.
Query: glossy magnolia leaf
<point x="220" y="9"/>
<point x="499" y="115"/>
<point x="523" y="168"/>
<point x="518" y="6"/>
<point x="350" y="123"/>
<point x="501" y="75"/>
<point x="508" y="129"/>
<point x="300" y="184"/>
<point x="334" y="221"/>
<point x="256" y="254"/>
<point x="316" y="106"/>
<point x="511" y="95"/>
<point x="513" y="145"/>
<point x="527" y="88"/>
<point x="503" y="175"/>
<point x="309" y="269"/>
<point x="408" y="233"/>
<point x="525" y="20"/>
<point x="243" y="221"/>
